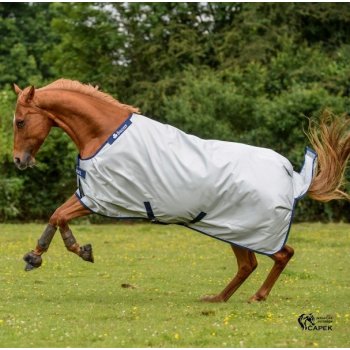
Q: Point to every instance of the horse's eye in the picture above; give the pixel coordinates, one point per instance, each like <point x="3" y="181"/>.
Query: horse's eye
<point x="20" y="124"/>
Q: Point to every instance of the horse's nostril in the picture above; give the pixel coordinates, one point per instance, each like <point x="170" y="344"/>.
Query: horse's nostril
<point x="17" y="160"/>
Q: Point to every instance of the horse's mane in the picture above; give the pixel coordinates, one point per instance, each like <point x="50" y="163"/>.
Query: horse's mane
<point x="76" y="86"/>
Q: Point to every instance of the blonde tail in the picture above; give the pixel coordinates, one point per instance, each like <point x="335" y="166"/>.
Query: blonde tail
<point x="331" y="140"/>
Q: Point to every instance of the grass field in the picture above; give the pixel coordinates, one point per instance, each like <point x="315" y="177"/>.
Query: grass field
<point x="72" y="303"/>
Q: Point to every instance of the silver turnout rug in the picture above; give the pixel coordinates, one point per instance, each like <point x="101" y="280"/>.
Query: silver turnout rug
<point x="237" y="193"/>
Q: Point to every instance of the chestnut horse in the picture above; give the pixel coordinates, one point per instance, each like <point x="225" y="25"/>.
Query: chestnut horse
<point x="89" y="117"/>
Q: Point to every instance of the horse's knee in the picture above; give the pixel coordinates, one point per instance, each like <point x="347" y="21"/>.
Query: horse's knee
<point x="284" y="255"/>
<point x="58" y="219"/>
<point x="287" y="252"/>
<point x="247" y="268"/>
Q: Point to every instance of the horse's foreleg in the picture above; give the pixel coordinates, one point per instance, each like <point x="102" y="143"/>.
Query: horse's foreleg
<point x="281" y="260"/>
<point x="247" y="263"/>
<point x="33" y="258"/>
<point x="68" y="211"/>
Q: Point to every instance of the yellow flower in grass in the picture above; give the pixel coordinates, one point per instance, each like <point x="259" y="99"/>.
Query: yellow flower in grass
<point x="269" y="316"/>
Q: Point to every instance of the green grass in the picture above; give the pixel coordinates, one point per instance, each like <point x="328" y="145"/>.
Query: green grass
<point x="72" y="303"/>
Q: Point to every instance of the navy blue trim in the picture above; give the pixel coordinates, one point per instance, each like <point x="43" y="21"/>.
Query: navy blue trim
<point x="226" y="241"/>
<point x="199" y="217"/>
<point x="80" y="172"/>
<point x="118" y="132"/>
<point x="290" y="224"/>
<point x="82" y="194"/>
<point x="308" y="149"/>
<point x="79" y="197"/>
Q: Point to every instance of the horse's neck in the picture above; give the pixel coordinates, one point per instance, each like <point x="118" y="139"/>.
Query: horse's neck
<point x="87" y="120"/>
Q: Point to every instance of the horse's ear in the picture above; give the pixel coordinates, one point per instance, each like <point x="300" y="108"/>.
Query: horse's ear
<point x="16" y="89"/>
<point x="30" y="95"/>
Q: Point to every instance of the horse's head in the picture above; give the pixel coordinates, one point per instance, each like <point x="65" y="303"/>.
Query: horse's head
<point x="31" y="126"/>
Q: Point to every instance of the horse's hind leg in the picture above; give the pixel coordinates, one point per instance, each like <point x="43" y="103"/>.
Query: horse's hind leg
<point x="68" y="211"/>
<point x="247" y="263"/>
<point x="281" y="260"/>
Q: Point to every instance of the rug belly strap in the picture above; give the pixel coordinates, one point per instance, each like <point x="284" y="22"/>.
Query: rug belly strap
<point x="154" y="220"/>
<point x="151" y="215"/>
<point x="199" y="217"/>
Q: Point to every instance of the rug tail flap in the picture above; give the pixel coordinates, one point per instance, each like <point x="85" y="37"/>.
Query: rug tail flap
<point x="302" y="180"/>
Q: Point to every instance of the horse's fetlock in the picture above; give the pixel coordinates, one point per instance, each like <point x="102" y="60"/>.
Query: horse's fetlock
<point x="74" y="248"/>
<point x="257" y="297"/>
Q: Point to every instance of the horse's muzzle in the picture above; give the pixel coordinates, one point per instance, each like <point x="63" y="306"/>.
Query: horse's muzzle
<point x="25" y="162"/>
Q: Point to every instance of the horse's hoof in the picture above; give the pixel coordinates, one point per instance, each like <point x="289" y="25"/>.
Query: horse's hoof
<point x="86" y="253"/>
<point x="33" y="261"/>
<point x="255" y="298"/>
<point x="212" y="299"/>
<point x="29" y="267"/>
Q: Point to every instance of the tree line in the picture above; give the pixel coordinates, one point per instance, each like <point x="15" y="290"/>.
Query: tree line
<point x="243" y="72"/>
